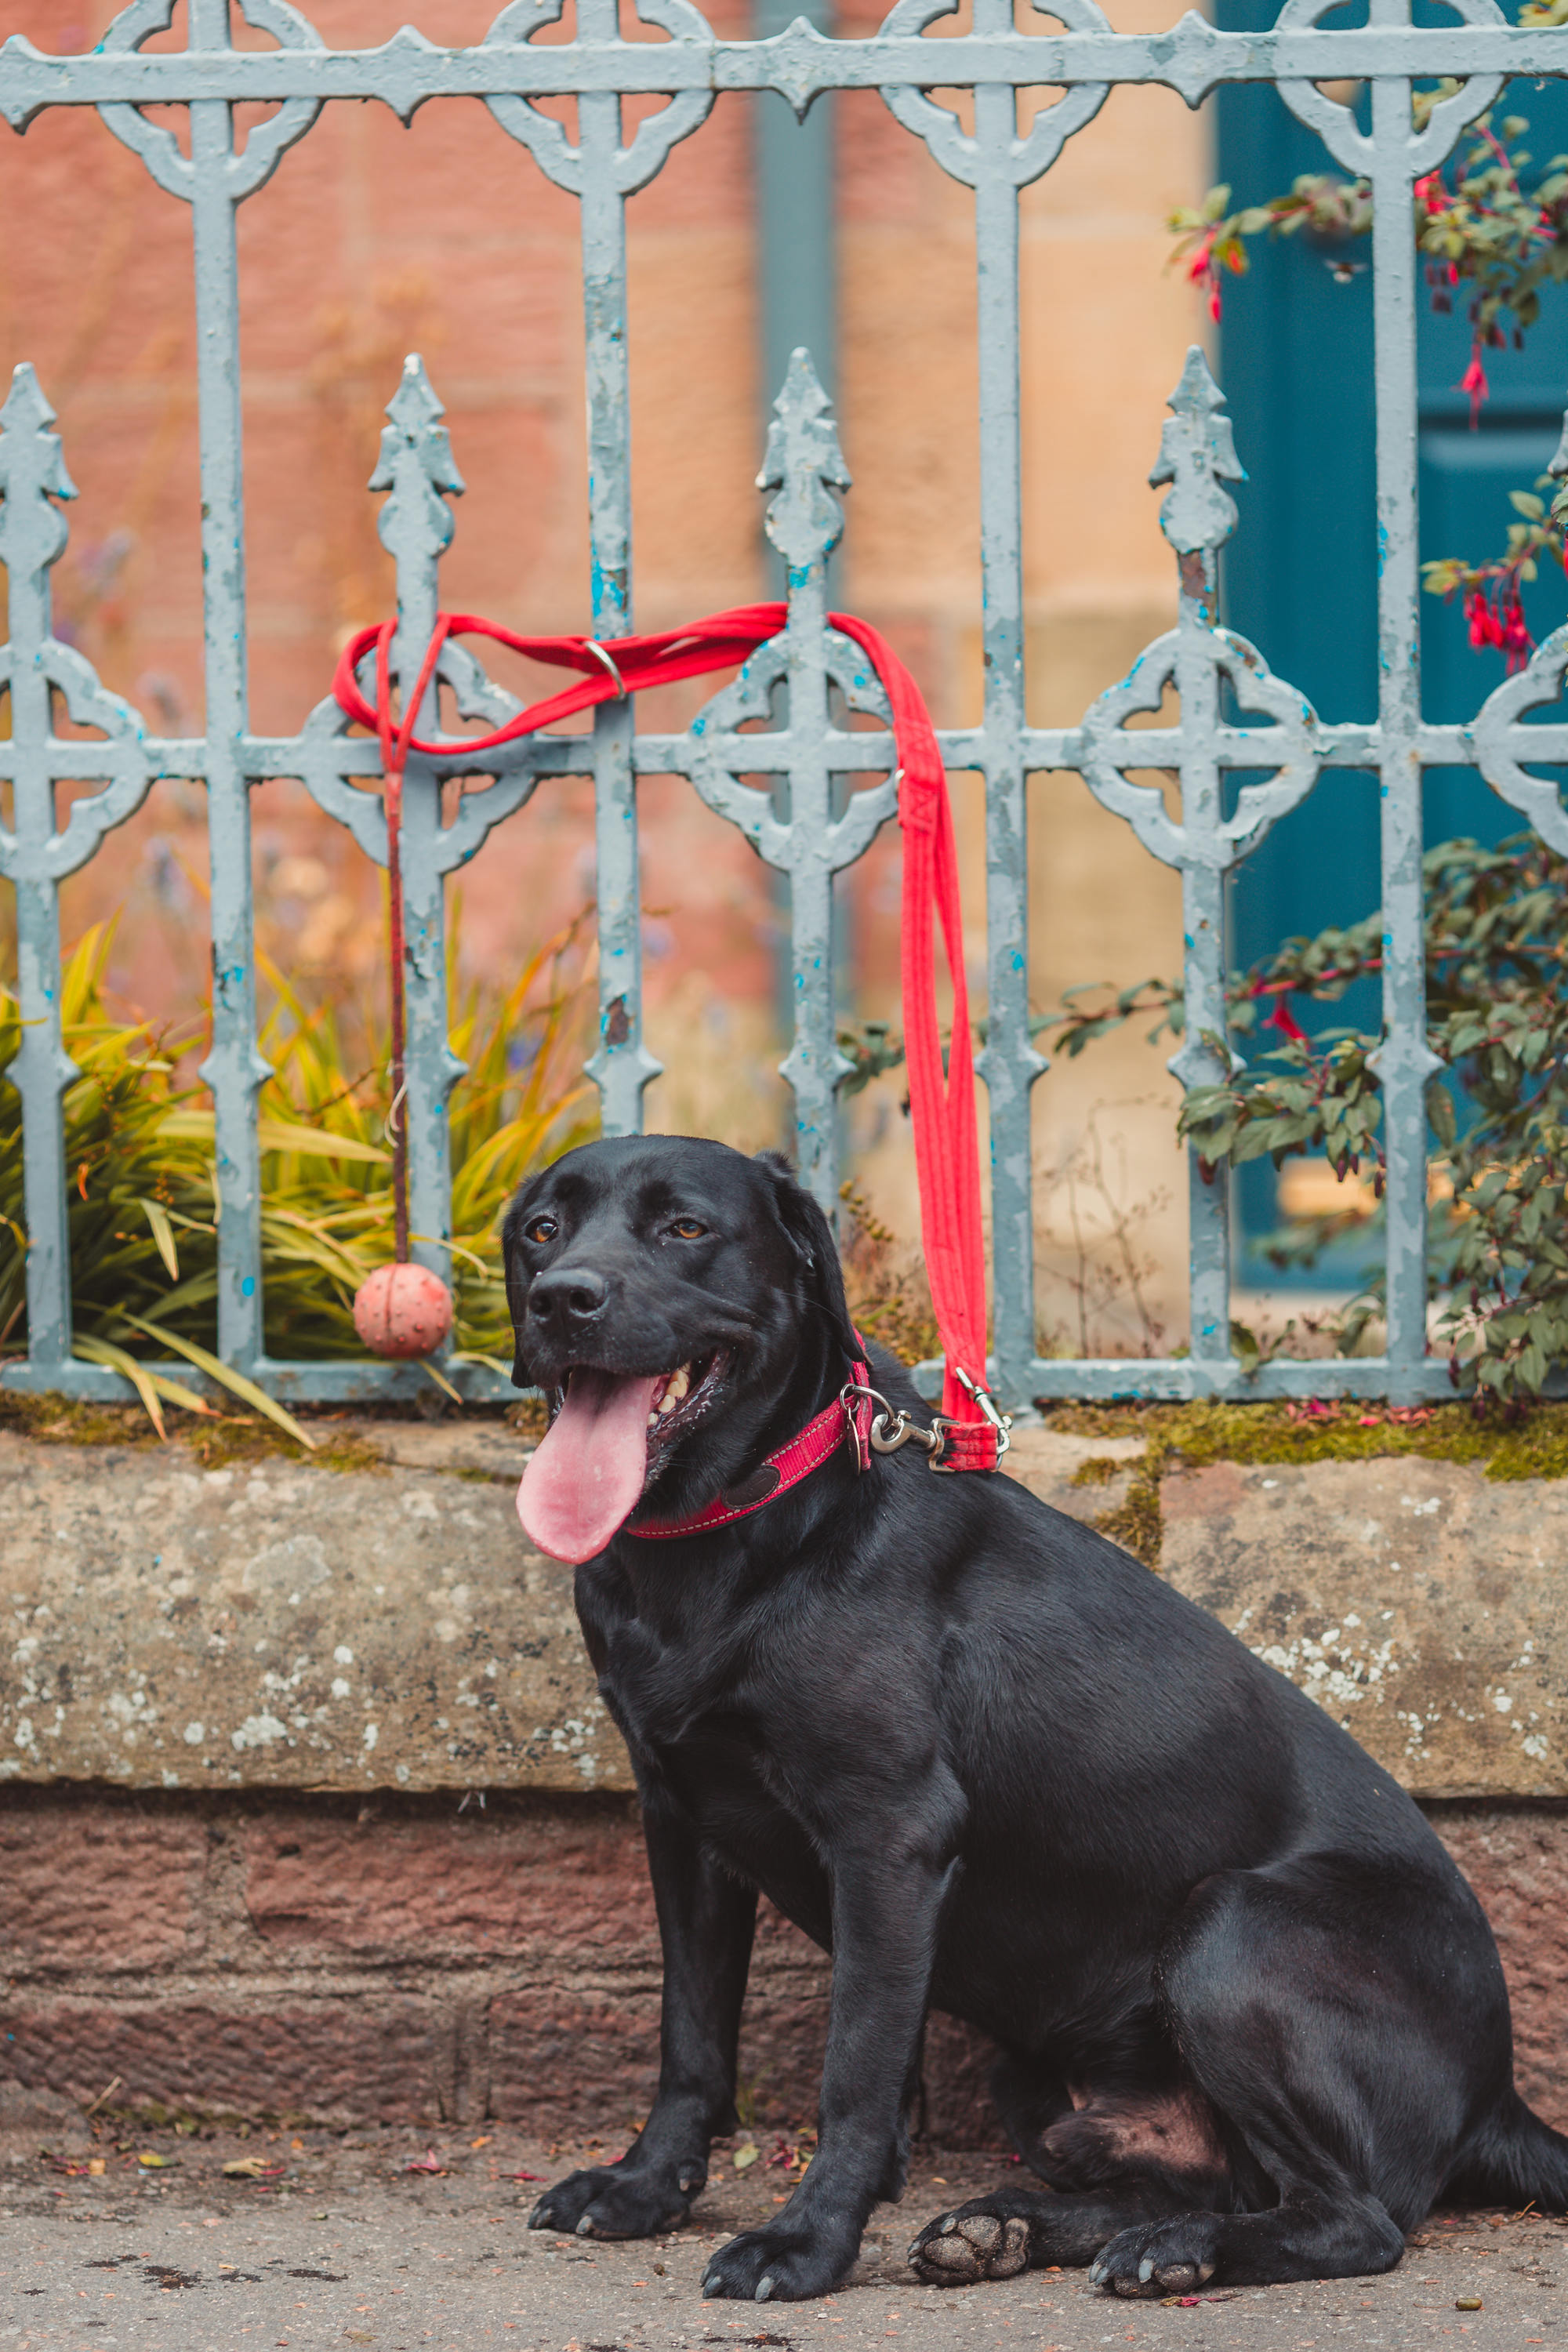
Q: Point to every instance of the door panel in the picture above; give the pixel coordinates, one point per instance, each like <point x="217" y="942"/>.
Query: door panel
<point x="1300" y="575"/>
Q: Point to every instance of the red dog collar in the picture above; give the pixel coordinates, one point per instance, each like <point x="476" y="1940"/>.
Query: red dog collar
<point x="849" y="1415"/>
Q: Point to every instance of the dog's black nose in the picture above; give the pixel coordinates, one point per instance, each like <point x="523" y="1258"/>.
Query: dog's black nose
<point x="568" y="1296"/>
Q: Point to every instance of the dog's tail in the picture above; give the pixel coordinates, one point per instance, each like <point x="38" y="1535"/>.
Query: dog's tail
<point x="1514" y="2160"/>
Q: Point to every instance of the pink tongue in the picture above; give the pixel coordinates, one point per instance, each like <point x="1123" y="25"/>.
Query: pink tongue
<point x="588" y="1470"/>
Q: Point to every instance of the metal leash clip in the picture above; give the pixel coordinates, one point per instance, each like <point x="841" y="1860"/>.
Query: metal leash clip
<point x="1002" y="1422"/>
<point x="892" y="1426"/>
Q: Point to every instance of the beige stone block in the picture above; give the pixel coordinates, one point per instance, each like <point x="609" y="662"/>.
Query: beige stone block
<point x="1418" y="1603"/>
<point x="280" y="1626"/>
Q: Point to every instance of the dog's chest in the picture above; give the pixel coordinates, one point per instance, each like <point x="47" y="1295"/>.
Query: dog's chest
<point x="706" y="1744"/>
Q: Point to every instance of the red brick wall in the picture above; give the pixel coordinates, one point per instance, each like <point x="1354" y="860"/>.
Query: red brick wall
<point x="379" y="1962"/>
<point x="395" y="1961"/>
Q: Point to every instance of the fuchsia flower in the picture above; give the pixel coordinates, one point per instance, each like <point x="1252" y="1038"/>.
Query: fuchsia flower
<point x="1499" y="622"/>
<point x="1517" y="641"/>
<point x="1474" y="382"/>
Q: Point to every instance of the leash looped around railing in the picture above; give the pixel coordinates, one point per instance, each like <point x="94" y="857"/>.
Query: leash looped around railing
<point x="973" y="1433"/>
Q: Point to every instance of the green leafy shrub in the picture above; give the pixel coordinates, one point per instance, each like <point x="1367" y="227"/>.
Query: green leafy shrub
<point x="1497" y="944"/>
<point x="142" y="1184"/>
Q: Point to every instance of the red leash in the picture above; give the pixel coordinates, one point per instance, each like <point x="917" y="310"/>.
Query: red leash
<point x="941" y="1105"/>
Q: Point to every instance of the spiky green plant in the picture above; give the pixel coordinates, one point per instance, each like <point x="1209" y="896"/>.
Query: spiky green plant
<point x="141" y="1183"/>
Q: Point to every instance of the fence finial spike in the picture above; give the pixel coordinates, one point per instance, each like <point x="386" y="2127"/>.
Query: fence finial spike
<point x="27" y="416"/>
<point x="32" y="473"/>
<point x="415" y="466"/>
<point x="804" y="465"/>
<point x="1197" y="453"/>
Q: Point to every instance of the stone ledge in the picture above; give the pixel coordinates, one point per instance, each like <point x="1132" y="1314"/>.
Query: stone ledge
<point x="1422" y="1605"/>
<point x="279" y="1624"/>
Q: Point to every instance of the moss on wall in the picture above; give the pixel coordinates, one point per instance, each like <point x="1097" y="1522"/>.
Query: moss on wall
<point x="1193" y="1435"/>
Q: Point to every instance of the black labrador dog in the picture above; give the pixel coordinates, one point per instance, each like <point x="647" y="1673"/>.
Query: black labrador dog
<point x="1253" y="2018"/>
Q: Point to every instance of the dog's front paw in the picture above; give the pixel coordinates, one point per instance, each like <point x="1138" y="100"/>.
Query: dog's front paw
<point x="607" y="2201"/>
<point x="1173" y="2257"/>
<point x="958" y="2248"/>
<point x="779" y="2264"/>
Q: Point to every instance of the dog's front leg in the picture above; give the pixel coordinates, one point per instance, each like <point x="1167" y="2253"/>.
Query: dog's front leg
<point x="886" y="1907"/>
<point x="706" y="1921"/>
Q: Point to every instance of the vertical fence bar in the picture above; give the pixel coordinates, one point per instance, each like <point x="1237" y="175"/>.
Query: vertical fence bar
<point x="233" y="1069"/>
<point x="1204" y="943"/>
<point x="1402" y="1061"/>
<point x="415" y="526"/>
<point x="1008" y="1064"/>
<point x="621" y="1067"/>
<point x="804" y="522"/>
<point x="32" y="536"/>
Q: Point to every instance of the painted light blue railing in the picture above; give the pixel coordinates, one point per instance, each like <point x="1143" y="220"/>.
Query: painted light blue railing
<point x="820" y="671"/>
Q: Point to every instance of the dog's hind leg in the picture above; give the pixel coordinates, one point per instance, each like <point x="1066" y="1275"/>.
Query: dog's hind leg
<point x="1345" y="2021"/>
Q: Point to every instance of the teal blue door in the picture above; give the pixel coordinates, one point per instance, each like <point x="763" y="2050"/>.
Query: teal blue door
<point x="1300" y="575"/>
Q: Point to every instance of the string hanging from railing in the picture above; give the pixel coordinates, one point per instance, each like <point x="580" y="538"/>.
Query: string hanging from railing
<point x="401" y="1309"/>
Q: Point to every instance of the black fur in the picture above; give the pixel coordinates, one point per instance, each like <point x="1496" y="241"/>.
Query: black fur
<point x="1253" y="2018"/>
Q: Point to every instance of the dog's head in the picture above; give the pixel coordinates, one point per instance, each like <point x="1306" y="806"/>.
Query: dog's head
<point x="679" y="1300"/>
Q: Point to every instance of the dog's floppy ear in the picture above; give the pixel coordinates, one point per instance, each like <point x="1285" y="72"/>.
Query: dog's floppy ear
<point x="516" y="1292"/>
<point x="812" y="1237"/>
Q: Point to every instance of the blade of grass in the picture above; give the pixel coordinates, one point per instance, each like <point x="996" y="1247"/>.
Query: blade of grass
<point x="316" y="1142"/>
<point x="162" y="1233"/>
<point x="103" y="1351"/>
<point x="478" y="1356"/>
<point x="226" y="1378"/>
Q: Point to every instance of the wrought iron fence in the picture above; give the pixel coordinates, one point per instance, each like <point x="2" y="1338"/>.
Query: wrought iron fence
<point x="995" y="60"/>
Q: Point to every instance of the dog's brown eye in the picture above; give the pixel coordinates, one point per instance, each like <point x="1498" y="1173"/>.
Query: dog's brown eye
<point x="687" y="1229"/>
<point x="542" y="1230"/>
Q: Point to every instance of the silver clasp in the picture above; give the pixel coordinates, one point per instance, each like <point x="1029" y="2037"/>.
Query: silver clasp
<point x="1002" y="1422"/>
<point x="892" y="1427"/>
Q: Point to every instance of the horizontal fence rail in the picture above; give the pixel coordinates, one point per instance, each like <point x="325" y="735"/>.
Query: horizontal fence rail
<point x="1211" y="668"/>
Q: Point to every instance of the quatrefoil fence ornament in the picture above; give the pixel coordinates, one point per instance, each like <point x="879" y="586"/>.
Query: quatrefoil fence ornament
<point x="1502" y="744"/>
<point x="253" y="165"/>
<point x="417" y="470"/>
<point x="968" y="159"/>
<point x="36" y="851"/>
<point x="599" y="163"/>
<point x="1362" y="151"/>
<point x="1198" y="457"/>
<point x="804" y="469"/>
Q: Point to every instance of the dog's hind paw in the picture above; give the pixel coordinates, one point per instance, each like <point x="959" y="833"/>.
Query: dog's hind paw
<point x="1171" y="2257"/>
<point x="959" y="2249"/>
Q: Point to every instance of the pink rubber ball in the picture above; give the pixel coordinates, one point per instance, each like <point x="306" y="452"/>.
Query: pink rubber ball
<point x="403" y="1311"/>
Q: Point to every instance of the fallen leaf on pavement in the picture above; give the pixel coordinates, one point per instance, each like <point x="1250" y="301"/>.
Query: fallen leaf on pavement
<point x="252" y="2168"/>
<point x="428" y="2162"/>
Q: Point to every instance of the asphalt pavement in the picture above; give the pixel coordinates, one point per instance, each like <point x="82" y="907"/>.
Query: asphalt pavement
<point x="327" y="2241"/>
